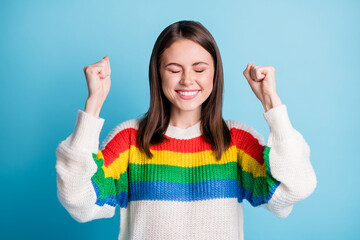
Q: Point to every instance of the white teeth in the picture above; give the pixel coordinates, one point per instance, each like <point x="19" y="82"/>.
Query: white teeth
<point x="188" y="93"/>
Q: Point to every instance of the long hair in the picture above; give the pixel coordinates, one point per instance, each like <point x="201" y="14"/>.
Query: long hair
<point x="153" y="124"/>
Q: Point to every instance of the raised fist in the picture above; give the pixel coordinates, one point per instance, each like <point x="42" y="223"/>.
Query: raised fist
<point x="98" y="81"/>
<point x="262" y="82"/>
<point x="98" y="78"/>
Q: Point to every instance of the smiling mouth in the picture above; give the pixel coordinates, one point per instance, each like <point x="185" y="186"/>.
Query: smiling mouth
<point x="187" y="95"/>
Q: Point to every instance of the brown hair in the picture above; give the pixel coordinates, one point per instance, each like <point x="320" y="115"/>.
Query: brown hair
<point x="155" y="121"/>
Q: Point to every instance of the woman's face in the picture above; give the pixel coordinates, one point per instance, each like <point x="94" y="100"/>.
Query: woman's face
<point x="187" y="73"/>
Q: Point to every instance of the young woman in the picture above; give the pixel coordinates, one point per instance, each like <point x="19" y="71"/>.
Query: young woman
<point x="182" y="171"/>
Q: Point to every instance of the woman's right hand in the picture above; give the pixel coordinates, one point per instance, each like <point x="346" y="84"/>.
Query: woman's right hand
<point x="99" y="82"/>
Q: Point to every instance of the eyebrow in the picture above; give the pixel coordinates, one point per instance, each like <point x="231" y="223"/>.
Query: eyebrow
<point x="176" y="64"/>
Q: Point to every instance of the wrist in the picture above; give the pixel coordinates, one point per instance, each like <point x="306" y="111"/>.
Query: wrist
<point x="93" y="106"/>
<point x="271" y="101"/>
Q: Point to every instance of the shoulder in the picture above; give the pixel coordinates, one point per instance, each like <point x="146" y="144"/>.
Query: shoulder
<point x="129" y="124"/>
<point x="122" y="131"/>
<point x="240" y="130"/>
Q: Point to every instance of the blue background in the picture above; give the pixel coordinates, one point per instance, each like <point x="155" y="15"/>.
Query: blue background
<point x="313" y="45"/>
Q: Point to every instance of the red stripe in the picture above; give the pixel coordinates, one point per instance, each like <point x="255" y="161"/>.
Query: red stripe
<point x="247" y="142"/>
<point x="118" y="144"/>
<point x="126" y="137"/>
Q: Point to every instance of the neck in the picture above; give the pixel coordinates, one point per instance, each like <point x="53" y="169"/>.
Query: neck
<point x="184" y="119"/>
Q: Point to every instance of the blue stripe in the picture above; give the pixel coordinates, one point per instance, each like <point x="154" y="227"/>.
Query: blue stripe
<point x="209" y="189"/>
<point x="121" y="199"/>
<point x="205" y="190"/>
<point x="258" y="200"/>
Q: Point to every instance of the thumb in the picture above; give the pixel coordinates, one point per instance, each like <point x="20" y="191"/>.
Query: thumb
<point x="246" y="72"/>
<point x="104" y="59"/>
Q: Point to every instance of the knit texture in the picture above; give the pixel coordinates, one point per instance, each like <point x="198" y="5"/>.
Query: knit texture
<point x="183" y="192"/>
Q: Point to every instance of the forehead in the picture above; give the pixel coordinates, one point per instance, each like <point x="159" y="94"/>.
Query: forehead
<point x="185" y="51"/>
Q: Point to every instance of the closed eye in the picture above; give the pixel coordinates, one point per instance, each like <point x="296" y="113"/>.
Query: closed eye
<point x="179" y="71"/>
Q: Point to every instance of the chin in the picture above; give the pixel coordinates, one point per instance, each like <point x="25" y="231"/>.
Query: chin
<point x="188" y="108"/>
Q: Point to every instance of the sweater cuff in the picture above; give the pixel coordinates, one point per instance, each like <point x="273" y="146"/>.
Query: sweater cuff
<point x="279" y="122"/>
<point x="87" y="131"/>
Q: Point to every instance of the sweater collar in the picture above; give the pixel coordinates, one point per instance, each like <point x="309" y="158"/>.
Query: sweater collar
<point x="183" y="133"/>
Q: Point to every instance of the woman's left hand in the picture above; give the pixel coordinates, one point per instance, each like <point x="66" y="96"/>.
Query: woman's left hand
<point x="262" y="81"/>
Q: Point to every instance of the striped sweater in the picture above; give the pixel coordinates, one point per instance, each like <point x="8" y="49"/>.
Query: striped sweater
<point x="183" y="192"/>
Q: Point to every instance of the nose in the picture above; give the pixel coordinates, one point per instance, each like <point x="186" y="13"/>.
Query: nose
<point x="186" y="78"/>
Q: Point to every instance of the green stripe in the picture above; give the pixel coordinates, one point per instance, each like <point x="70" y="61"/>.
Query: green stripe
<point x="271" y="181"/>
<point x="258" y="185"/>
<point x="107" y="186"/>
<point x="175" y="174"/>
<point x="266" y="158"/>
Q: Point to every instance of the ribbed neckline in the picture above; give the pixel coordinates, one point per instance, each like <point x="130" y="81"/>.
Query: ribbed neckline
<point x="183" y="133"/>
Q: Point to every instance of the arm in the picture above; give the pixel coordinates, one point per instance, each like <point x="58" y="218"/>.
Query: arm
<point x="287" y="155"/>
<point x="288" y="158"/>
<point x="278" y="174"/>
<point x="82" y="185"/>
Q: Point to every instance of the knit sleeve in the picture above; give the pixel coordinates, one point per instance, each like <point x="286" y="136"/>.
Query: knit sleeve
<point x="88" y="186"/>
<point x="288" y="156"/>
<point x="285" y="161"/>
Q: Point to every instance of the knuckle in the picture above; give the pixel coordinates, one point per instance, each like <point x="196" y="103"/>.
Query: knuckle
<point x="89" y="69"/>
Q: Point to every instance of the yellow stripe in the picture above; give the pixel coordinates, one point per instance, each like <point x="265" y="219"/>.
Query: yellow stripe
<point x="117" y="167"/>
<point x="120" y="164"/>
<point x="249" y="164"/>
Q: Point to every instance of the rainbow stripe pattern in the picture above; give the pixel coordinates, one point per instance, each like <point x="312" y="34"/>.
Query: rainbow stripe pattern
<point x="183" y="170"/>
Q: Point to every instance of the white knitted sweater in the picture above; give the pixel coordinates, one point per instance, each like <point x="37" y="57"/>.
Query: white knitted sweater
<point x="183" y="192"/>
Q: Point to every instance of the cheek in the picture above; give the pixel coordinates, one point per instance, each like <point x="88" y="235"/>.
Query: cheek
<point x="167" y="88"/>
<point x="165" y="84"/>
<point x="169" y="82"/>
<point x="207" y="82"/>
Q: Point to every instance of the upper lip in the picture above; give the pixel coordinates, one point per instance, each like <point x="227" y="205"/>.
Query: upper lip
<point x="184" y="90"/>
